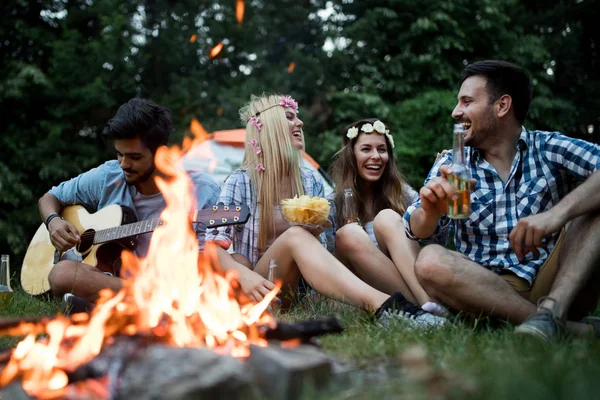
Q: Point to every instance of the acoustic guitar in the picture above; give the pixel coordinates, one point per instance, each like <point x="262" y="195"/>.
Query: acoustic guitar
<point x="103" y="235"/>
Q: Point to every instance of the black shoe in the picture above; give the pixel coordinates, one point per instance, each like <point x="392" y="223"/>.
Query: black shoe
<point x="72" y="304"/>
<point x="543" y="324"/>
<point x="397" y="307"/>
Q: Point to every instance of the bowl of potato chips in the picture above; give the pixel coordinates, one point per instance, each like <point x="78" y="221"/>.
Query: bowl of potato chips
<point x="304" y="210"/>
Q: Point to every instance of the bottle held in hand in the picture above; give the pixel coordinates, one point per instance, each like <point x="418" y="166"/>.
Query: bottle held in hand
<point x="460" y="179"/>
<point x="350" y="212"/>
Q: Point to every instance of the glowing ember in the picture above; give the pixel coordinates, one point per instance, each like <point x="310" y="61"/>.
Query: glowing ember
<point x="174" y="295"/>
<point x="239" y="11"/>
<point x="193" y="38"/>
<point x="216" y="50"/>
<point x="291" y="67"/>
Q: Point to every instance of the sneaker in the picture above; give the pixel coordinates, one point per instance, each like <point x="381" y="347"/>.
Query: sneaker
<point x="543" y="324"/>
<point x="397" y="307"/>
<point x="72" y="304"/>
<point x="594" y="322"/>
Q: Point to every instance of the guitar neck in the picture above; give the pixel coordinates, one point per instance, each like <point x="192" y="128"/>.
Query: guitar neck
<point x="123" y="231"/>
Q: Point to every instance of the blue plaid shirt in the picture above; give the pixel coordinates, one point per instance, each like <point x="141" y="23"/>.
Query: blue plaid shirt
<point x="239" y="189"/>
<point x="535" y="185"/>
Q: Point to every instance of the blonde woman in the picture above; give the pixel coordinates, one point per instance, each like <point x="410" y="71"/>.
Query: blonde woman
<point x="271" y="172"/>
<point x="377" y="250"/>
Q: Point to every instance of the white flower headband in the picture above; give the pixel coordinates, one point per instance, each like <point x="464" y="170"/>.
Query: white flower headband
<point x="377" y="126"/>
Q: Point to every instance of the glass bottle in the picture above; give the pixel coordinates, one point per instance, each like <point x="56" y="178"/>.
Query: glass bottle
<point x="6" y="291"/>
<point x="350" y="212"/>
<point x="460" y="179"/>
<point x="274" y="306"/>
<point x="272" y="270"/>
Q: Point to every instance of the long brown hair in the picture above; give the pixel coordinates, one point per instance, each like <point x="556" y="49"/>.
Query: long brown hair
<point x="388" y="190"/>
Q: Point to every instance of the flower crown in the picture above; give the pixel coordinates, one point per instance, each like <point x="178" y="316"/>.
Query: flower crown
<point x="287" y="101"/>
<point x="377" y="126"/>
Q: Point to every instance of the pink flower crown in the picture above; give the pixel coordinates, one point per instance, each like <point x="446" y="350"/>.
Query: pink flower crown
<point x="287" y="101"/>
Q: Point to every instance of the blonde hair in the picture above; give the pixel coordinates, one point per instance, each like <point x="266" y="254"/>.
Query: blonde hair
<point x="280" y="159"/>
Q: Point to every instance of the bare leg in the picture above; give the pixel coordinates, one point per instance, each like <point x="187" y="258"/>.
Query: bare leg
<point x="355" y="249"/>
<point x="80" y="279"/>
<point x="296" y="250"/>
<point x="578" y="259"/>
<point x="389" y="231"/>
<point x="467" y="286"/>
<point x="242" y="260"/>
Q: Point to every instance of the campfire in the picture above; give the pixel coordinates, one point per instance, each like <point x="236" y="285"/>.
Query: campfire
<point x="175" y="298"/>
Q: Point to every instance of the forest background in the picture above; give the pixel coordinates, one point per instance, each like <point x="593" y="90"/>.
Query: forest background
<point x="67" y="65"/>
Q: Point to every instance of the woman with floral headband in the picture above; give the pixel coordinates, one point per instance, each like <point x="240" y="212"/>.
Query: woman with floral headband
<point x="271" y="172"/>
<point x="378" y="251"/>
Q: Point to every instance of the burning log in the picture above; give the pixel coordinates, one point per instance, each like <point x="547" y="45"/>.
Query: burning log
<point x="303" y="331"/>
<point x="128" y="347"/>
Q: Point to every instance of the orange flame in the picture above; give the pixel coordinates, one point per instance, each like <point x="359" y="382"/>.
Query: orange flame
<point x="193" y="38"/>
<point x="175" y="294"/>
<point x="291" y="67"/>
<point x="239" y="11"/>
<point x="216" y="50"/>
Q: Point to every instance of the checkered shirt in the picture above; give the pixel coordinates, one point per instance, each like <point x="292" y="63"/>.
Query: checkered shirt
<point x="239" y="189"/>
<point x="536" y="183"/>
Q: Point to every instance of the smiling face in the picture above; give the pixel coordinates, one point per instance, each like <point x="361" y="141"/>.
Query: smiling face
<point x="475" y="112"/>
<point x="295" y="125"/>
<point x="371" y="153"/>
<point x="135" y="159"/>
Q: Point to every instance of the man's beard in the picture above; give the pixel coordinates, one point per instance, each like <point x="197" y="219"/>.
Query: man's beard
<point x="484" y="130"/>
<point x="141" y="178"/>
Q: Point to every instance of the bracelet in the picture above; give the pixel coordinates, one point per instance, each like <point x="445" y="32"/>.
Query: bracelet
<point x="50" y="218"/>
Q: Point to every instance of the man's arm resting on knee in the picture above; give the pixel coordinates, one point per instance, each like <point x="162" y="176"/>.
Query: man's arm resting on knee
<point x="529" y="232"/>
<point x="584" y="199"/>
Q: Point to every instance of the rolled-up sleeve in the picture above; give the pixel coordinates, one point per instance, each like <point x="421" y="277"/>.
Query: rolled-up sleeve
<point x="576" y="156"/>
<point x="441" y="232"/>
<point x="84" y="189"/>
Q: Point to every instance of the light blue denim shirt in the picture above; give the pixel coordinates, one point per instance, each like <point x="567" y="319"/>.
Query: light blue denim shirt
<point x="105" y="185"/>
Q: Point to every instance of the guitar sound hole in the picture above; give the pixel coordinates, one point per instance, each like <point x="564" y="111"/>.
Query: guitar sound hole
<point x="87" y="240"/>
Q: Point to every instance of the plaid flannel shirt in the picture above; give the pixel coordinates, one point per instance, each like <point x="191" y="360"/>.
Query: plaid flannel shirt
<point x="239" y="189"/>
<point x="535" y="184"/>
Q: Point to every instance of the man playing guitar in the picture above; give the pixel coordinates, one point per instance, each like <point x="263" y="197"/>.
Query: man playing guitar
<point x="137" y="130"/>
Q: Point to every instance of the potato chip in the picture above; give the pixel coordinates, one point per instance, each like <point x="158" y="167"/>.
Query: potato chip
<point x="305" y="210"/>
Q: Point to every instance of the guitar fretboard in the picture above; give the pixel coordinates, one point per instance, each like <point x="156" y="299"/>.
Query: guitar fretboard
<point x="123" y="231"/>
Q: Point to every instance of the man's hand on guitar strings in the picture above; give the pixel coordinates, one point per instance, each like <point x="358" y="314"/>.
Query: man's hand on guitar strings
<point x="63" y="234"/>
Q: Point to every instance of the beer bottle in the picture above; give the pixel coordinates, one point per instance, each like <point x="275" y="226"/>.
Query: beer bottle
<point x="460" y="179"/>
<point x="274" y="306"/>
<point x="350" y="213"/>
<point x="6" y="291"/>
<point x="272" y="270"/>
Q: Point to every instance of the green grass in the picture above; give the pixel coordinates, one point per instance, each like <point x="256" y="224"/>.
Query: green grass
<point x="20" y="304"/>
<point x="465" y="360"/>
<point x="462" y="360"/>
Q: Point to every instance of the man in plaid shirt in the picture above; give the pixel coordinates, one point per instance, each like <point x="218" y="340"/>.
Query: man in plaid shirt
<point x="535" y="241"/>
